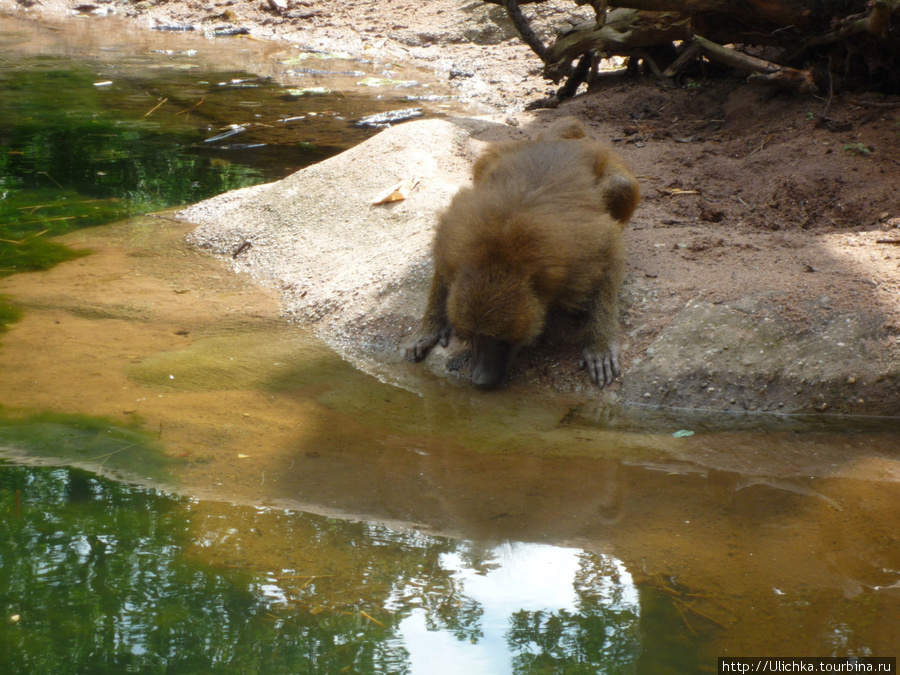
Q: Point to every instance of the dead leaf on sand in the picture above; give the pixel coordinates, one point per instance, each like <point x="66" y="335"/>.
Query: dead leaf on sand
<point x="397" y="193"/>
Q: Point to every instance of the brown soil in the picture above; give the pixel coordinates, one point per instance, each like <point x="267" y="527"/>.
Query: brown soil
<point x="746" y="191"/>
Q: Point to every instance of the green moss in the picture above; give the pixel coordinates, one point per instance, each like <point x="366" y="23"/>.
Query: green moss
<point x="33" y="254"/>
<point x="268" y="360"/>
<point x="9" y="313"/>
<point x="82" y="439"/>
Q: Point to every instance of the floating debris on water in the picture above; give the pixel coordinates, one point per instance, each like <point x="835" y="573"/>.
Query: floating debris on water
<point x="428" y="97"/>
<point x="240" y="146"/>
<point x="175" y="28"/>
<point x="228" y="31"/>
<point x="246" y="82"/>
<point x="385" y="82"/>
<point x="390" y="117"/>
<point x="233" y="130"/>
<point x="316" y="55"/>
<point x="315" y="71"/>
<point x="309" y="91"/>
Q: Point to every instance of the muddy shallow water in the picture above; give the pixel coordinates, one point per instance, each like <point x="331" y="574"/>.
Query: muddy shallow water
<point x="771" y="538"/>
<point x="306" y="511"/>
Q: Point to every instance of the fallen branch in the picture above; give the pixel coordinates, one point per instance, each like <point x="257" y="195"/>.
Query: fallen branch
<point x="761" y="71"/>
<point x="807" y="45"/>
<point x="687" y="58"/>
<point x="529" y="37"/>
<point x="625" y="31"/>
<point x="202" y="99"/>
<point x="155" y="108"/>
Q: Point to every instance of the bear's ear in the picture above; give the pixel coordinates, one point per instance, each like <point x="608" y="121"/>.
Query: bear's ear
<point x="620" y="189"/>
<point x="490" y="159"/>
<point x="564" y="129"/>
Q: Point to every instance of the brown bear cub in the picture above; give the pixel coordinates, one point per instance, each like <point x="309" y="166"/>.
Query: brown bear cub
<point x="540" y="227"/>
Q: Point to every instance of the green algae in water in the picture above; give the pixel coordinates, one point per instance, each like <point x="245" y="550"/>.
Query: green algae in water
<point x="267" y="359"/>
<point x="9" y="313"/>
<point x="102" y="577"/>
<point x="27" y="251"/>
<point x="89" y="141"/>
<point x="74" y="154"/>
<point x="85" y="440"/>
<point x="72" y="158"/>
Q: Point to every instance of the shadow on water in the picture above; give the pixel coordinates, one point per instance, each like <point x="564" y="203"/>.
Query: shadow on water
<point x="276" y="510"/>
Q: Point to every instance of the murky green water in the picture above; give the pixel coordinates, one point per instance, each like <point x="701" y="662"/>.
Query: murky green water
<point x="194" y="486"/>
<point x="99" y="576"/>
<point x="92" y="133"/>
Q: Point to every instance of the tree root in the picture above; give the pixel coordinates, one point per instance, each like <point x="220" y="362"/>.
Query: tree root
<point x="529" y="37"/>
<point x="625" y="31"/>
<point x="720" y="30"/>
<point x="760" y="71"/>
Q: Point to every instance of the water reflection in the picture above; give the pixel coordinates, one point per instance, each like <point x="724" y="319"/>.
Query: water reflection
<point x="98" y="576"/>
<point x="97" y="126"/>
<point x="732" y="537"/>
<point x="530" y="606"/>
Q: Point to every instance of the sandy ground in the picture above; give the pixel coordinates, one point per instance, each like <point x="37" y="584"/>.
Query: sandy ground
<point x="747" y="194"/>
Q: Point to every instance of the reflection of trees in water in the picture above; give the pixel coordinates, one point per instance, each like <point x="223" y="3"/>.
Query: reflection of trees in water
<point x="604" y="632"/>
<point x="441" y="596"/>
<point x="95" y="571"/>
<point x="106" y="577"/>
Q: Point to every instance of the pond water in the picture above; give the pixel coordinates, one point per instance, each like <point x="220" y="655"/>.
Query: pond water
<point x="100" y="124"/>
<point x="110" y="577"/>
<point x="192" y="486"/>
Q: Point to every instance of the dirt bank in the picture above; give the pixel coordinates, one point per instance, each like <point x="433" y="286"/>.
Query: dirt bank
<point x="763" y="260"/>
